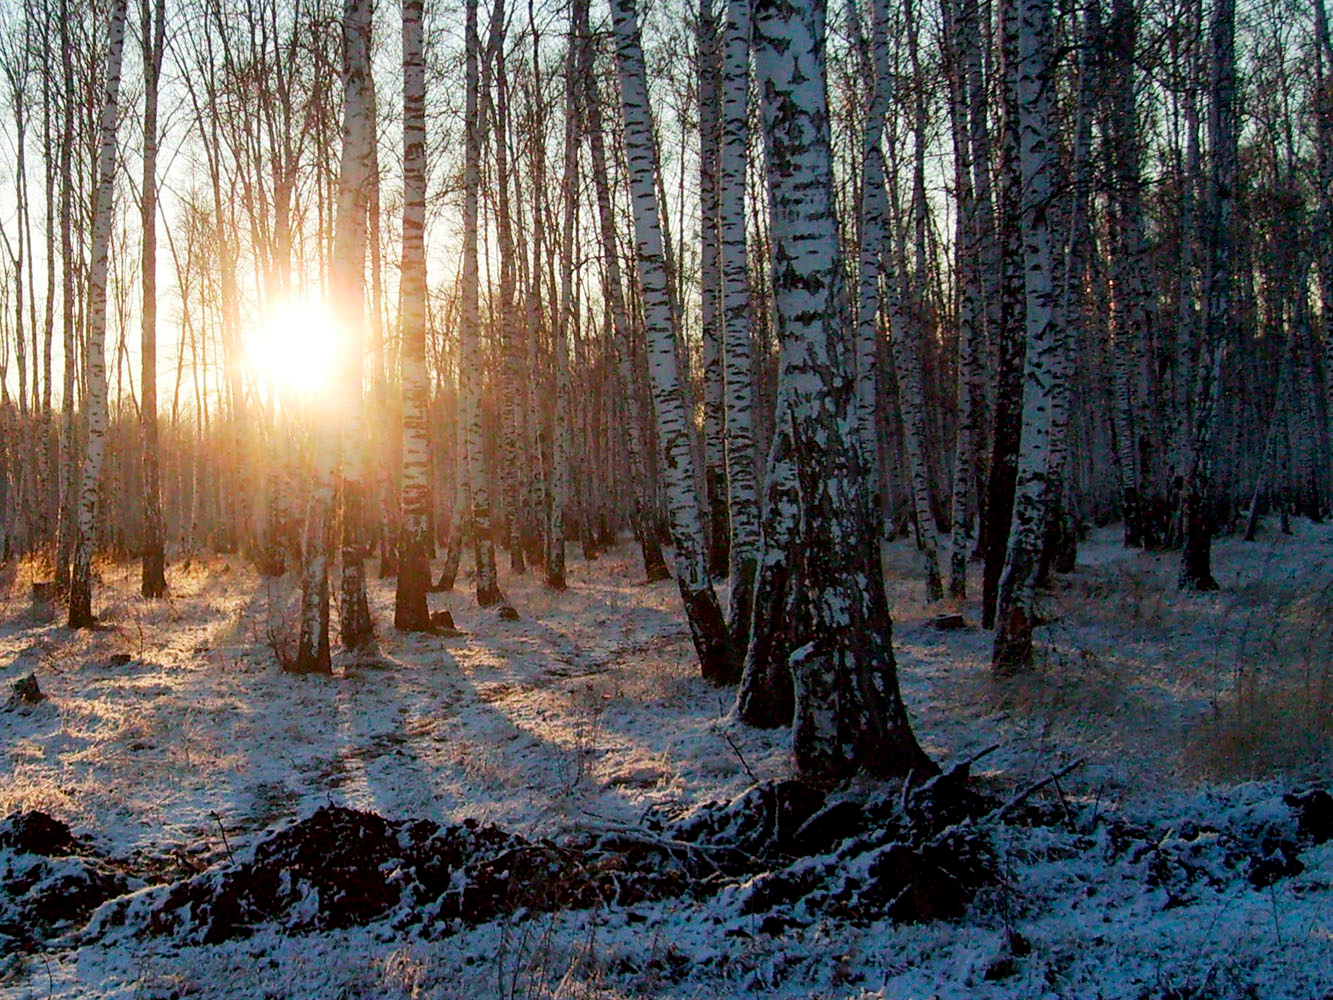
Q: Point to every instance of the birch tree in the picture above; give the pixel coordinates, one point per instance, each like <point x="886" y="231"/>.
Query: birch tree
<point x="1008" y="340"/>
<point x="66" y="526"/>
<point x="470" y="362"/>
<point x="154" y="581"/>
<point x="1196" y="509"/>
<point x="849" y="715"/>
<point x="95" y="396"/>
<point x="707" y="626"/>
<point x="906" y="322"/>
<point x="709" y="75"/>
<point x="1324" y="146"/>
<point x="565" y="322"/>
<point x="654" y="564"/>
<point x="961" y="31"/>
<point x="411" y="613"/>
<point x="1129" y="291"/>
<point x="742" y="494"/>
<point x="348" y="279"/>
<point x="1043" y="368"/>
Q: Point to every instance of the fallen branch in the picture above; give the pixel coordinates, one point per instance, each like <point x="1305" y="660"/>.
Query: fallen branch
<point x="1018" y="799"/>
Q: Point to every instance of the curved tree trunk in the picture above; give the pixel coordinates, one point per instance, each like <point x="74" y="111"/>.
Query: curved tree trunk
<point x="707" y="626"/>
<point x="654" y="564"/>
<point x="766" y="698"/>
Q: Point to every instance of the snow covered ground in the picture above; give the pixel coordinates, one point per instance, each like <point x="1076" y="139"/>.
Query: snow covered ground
<point x="171" y="738"/>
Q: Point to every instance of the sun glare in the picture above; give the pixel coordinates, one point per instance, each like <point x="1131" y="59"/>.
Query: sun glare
<point x="295" y="349"/>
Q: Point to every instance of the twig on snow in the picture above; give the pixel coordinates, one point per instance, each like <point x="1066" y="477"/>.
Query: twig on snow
<point x="223" y="830"/>
<point x="1036" y="786"/>
<point x="740" y="756"/>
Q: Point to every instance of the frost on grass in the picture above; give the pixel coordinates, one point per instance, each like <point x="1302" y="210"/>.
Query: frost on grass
<point x="197" y="782"/>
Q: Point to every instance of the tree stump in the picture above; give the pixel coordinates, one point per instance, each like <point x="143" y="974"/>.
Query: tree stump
<point x="948" y="622"/>
<point x="26" y="691"/>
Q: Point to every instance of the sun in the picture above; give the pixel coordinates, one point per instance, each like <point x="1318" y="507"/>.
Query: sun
<point x="295" y="348"/>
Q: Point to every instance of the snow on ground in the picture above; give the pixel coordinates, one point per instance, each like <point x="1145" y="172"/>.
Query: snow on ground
<point x="170" y="736"/>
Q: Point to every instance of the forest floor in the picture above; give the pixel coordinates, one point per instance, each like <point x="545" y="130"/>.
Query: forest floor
<point x="172" y="742"/>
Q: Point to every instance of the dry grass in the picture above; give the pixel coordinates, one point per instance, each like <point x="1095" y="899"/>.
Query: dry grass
<point x="1267" y="729"/>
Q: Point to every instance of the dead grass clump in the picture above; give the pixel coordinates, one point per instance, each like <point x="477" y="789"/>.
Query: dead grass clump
<point x="29" y="787"/>
<point x="1066" y="683"/>
<point x="1267" y="728"/>
<point x="282" y="623"/>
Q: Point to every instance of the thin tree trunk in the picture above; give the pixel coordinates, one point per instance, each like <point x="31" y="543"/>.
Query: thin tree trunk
<point x="488" y="587"/>
<point x="654" y="564"/>
<point x="906" y="323"/>
<point x="1324" y="147"/>
<point x="1008" y="340"/>
<point x="355" y="628"/>
<point x="66" y="528"/>
<point x="95" y="401"/>
<point x="154" y="580"/>
<point x="1129" y="291"/>
<point x="766" y="697"/>
<point x="565" y="324"/>
<point x="707" y="626"/>
<point x="968" y="242"/>
<point x="742" y="489"/>
<point x="411" y="613"/>
<point x="1043" y="367"/>
<point x="708" y="71"/>
<point x="1197" y="513"/>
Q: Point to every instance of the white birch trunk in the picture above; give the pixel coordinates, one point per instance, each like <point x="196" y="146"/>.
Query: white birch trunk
<point x="66" y="528"/>
<point x="707" y="626"/>
<point x="348" y="285"/>
<point x="1196" y="517"/>
<point x="708" y="71"/>
<point x="654" y="565"/>
<point x="564" y="326"/>
<point x="849" y="715"/>
<point x="1324" y="148"/>
<point x="1129" y="284"/>
<point x="488" y="587"/>
<point x="968" y="244"/>
<point x="1043" y="367"/>
<point x="95" y="402"/>
<point x="742" y="488"/>
<point x="904" y="324"/>
<point x="411" y="612"/>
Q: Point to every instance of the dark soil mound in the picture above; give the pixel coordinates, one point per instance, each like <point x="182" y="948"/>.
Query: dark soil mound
<point x="51" y="882"/>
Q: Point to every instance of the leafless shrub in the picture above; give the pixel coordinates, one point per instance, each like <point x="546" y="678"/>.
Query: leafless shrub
<point x="281" y="632"/>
